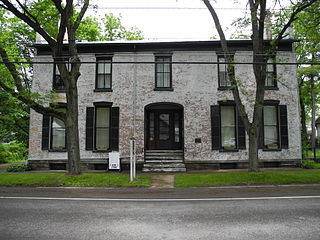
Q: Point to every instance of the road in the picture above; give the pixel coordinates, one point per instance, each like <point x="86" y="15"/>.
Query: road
<point x="196" y="213"/>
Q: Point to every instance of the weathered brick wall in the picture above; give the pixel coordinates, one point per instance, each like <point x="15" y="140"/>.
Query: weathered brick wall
<point x="195" y="88"/>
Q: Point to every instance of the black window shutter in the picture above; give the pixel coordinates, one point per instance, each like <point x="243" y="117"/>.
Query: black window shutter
<point x="89" y="128"/>
<point x="45" y="132"/>
<point x="284" y="126"/>
<point x="114" y="128"/>
<point x="241" y="133"/>
<point x="215" y="127"/>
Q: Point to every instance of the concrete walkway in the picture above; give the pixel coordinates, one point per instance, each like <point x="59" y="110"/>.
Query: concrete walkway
<point x="162" y="181"/>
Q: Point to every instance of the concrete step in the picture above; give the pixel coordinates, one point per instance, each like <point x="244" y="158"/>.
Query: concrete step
<point x="164" y="165"/>
<point x="163" y="157"/>
<point x="161" y="161"/>
<point x="164" y="151"/>
<point x="164" y="154"/>
<point x="164" y="170"/>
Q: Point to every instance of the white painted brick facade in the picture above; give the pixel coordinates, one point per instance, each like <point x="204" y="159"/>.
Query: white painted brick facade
<point x="195" y="88"/>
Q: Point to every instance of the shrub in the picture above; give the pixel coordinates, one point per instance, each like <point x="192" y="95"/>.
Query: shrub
<point x="13" y="152"/>
<point x="309" y="164"/>
<point x="19" y="168"/>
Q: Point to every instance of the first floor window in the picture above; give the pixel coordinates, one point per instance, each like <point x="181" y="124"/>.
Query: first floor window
<point x="228" y="127"/>
<point x="58" y="134"/>
<point x="228" y="133"/>
<point x="271" y="127"/>
<point x="102" y="128"/>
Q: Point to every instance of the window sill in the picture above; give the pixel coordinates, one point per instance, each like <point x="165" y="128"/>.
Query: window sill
<point x="271" y="150"/>
<point x="231" y="150"/>
<point x="224" y="88"/>
<point x="102" y="151"/>
<point x="57" y="150"/>
<point x="163" y="89"/>
<point x="59" y="91"/>
<point x="103" y="90"/>
<point x="270" y="88"/>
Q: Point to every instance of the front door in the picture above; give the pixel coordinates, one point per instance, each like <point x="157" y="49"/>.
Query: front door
<point x="164" y="130"/>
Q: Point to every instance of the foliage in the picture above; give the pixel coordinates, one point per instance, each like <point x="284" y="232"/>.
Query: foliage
<point x="113" y="29"/>
<point x="89" y="29"/>
<point x="83" y="180"/>
<point x="309" y="164"/>
<point x="19" y="168"/>
<point x="224" y="179"/>
<point x="13" y="152"/>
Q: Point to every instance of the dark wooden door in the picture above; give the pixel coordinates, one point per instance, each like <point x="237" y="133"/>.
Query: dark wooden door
<point x="164" y="129"/>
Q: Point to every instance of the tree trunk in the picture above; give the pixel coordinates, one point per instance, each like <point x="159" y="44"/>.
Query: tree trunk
<point x="253" y="150"/>
<point x="72" y="128"/>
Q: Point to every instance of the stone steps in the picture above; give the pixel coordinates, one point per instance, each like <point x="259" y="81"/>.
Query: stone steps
<point x="164" y="161"/>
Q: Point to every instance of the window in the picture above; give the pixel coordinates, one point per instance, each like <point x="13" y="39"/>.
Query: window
<point x="224" y="81"/>
<point x="102" y="128"/>
<point x="163" y="70"/>
<point x="228" y="133"/>
<point x="104" y="74"/>
<point x="271" y="74"/>
<point x="274" y="133"/>
<point x="54" y="132"/>
<point x="228" y="127"/>
<point x="58" y="134"/>
<point x="58" y="84"/>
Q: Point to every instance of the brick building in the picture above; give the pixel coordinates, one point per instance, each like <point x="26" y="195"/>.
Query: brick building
<point x="181" y="112"/>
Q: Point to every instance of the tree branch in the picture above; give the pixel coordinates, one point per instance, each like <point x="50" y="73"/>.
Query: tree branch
<point x="292" y="18"/>
<point x="36" y="26"/>
<point x="81" y="14"/>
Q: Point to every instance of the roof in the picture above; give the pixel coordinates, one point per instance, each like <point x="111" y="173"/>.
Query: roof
<point x="134" y="46"/>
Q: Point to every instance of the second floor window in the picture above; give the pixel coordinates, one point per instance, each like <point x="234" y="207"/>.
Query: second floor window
<point x="271" y="74"/>
<point x="58" y="84"/>
<point x="104" y="73"/>
<point x="163" y="69"/>
<point x="224" y="81"/>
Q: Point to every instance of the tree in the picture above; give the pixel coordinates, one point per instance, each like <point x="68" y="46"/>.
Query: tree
<point x="39" y="15"/>
<point x="113" y="29"/>
<point x="261" y="54"/>
<point x="307" y="29"/>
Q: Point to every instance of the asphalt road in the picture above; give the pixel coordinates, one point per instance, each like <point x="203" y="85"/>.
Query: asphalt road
<point x="206" y="213"/>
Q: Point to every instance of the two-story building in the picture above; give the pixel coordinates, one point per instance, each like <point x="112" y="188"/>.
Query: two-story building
<point x="174" y="98"/>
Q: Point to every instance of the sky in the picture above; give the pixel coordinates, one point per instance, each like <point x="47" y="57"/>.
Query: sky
<point x="173" y="19"/>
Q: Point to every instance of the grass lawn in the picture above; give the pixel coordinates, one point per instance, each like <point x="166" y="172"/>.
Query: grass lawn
<point x="225" y="179"/>
<point x="84" y="180"/>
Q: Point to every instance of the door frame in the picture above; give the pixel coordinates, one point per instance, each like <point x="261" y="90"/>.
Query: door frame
<point x="164" y="107"/>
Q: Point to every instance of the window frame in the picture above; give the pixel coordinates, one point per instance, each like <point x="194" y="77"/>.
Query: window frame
<point x="273" y="73"/>
<point x="99" y="58"/>
<point x="157" y="56"/>
<point x="274" y="104"/>
<point x="51" y="149"/>
<point x="55" y="69"/>
<point x="221" y="87"/>
<point x="96" y="106"/>
<point x="229" y="104"/>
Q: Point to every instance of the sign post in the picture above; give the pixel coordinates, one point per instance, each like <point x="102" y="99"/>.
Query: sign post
<point x="114" y="161"/>
<point x="132" y="159"/>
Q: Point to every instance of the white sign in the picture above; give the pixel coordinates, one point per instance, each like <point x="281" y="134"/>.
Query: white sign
<point x="114" y="161"/>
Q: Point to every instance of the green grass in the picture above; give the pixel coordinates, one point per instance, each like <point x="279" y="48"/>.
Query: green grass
<point x="309" y="154"/>
<point x="225" y="179"/>
<point x="84" y="180"/>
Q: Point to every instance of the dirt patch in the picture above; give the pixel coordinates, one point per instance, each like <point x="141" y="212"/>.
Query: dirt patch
<point x="162" y="181"/>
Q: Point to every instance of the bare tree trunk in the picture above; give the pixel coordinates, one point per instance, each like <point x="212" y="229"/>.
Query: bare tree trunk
<point x="73" y="132"/>
<point x="253" y="151"/>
